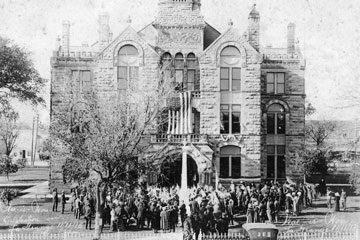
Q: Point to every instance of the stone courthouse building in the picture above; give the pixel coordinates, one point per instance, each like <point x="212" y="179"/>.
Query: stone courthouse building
<point x="240" y="107"/>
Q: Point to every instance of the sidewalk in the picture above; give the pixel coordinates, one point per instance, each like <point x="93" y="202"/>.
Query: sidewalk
<point x="39" y="191"/>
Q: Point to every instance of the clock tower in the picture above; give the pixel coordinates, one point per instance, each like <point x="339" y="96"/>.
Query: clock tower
<point x="180" y="26"/>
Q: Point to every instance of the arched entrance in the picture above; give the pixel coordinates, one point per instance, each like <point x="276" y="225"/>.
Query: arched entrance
<point x="170" y="171"/>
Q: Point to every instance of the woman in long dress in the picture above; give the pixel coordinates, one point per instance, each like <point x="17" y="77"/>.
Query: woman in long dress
<point x="337" y="202"/>
<point x="164" y="220"/>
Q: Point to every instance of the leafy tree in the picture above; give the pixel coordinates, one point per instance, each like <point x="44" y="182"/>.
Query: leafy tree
<point x="7" y="166"/>
<point x="316" y="155"/>
<point x="7" y="195"/>
<point x="9" y="130"/>
<point x="18" y="77"/>
<point x="21" y="163"/>
<point x="45" y="150"/>
<point x="354" y="178"/>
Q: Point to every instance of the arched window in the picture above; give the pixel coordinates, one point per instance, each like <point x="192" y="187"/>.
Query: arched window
<point x="166" y="64"/>
<point x="230" y="162"/>
<point x="179" y="68"/>
<point x="230" y="71"/>
<point x="276" y="119"/>
<point x="166" y="59"/>
<point x="191" y="82"/>
<point x="276" y="151"/>
<point x="128" y="70"/>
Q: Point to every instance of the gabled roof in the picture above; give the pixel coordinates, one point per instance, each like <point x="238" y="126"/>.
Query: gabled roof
<point x="128" y="30"/>
<point x="235" y="36"/>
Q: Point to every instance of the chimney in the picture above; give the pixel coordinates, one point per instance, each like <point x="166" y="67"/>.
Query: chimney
<point x="291" y="39"/>
<point x="104" y="30"/>
<point x="66" y="38"/>
<point x="196" y="4"/>
<point x="254" y="28"/>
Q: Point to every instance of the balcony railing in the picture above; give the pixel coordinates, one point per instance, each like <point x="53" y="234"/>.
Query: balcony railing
<point x="179" y="138"/>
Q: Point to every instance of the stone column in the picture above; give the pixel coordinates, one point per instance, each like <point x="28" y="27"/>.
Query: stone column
<point x="185" y="114"/>
<point x="189" y="113"/>
<point x="181" y="130"/>
<point x="177" y="129"/>
<point x="169" y="122"/>
<point x="184" y="191"/>
<point x="173" y="122"/>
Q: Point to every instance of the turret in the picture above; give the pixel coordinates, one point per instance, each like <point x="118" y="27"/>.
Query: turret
<point x="291" y="39"/>
<point x="104" y="30"/>
<point x="66" y="38"/>
<point x="254" y="28"/>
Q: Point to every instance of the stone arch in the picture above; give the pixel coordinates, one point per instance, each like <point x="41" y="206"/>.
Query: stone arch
<point x="277" y="101"/>
<point x="286" y="108"/>
<point x="232" y="44"/>
<point x="129" y="42"/>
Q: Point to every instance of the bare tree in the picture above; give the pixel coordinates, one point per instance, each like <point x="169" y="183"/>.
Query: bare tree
<point x="104" y="142"/>
<point x="9" y="130"/>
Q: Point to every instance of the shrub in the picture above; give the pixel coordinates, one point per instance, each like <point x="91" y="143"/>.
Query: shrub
<point x="7" y="195"/>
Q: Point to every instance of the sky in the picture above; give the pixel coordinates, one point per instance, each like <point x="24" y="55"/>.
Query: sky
<point x="328" y="32"/>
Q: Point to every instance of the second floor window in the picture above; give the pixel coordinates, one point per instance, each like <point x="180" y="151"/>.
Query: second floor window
<point x="275" y="83"/>
<point x="276" y="119"/>
<point x="230" y="116"/>
<point x="82" y="81"/>
<point x="128" y="70"/>
<point x="230" y="71"/>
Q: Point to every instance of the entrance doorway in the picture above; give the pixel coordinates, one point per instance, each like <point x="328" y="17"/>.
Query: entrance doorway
<point x="170" y="172"/>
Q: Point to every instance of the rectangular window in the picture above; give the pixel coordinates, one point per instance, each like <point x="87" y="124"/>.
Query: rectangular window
<point x="230" y="117"/>
<point x="280" y="83"/>
<point x="122" y="78"/>
<point x="190" y="80"/>
<point x="281" y="167"/>
<point x="275" y="83"/>
<point x="167" y="75"/>
<point x="270" y="166"/>
<point x="270" y="82"/>
<point x="236" y="79"/>
<point x="276" y="165"/>
<point x="270" y="123"/>
<point x="133" y="76"/>
<point x="195" y="120"/>
<point x="179" y="76"/>
<point x="280" y="123"/>
<point x="224" y="117"/>
<point x="235" y="167"/>
<point x="235" y="121"/>
<point x="224" y="167"/>
<point x="82" y="81"/>
<point x="224" y="79"/>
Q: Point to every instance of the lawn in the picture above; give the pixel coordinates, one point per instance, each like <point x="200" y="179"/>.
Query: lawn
<point x="27" y="176"/>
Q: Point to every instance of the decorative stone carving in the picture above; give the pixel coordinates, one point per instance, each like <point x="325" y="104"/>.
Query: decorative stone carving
<point x="173" y="36"/>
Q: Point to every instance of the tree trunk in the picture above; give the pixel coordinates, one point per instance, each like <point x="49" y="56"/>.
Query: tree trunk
<point x="98" y="211"/>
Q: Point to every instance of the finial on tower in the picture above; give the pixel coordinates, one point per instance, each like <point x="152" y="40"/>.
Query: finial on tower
<point x="254" y="13"/>
<point x="129" y="20"/>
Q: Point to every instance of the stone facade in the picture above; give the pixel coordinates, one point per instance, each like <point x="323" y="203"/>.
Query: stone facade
<point x="226" y="81"/>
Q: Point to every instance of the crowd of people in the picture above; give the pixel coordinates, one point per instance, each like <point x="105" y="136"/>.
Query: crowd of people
<point x="208" y="210"/>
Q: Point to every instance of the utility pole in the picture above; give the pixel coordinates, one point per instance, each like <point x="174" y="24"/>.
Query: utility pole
<point x="32" y="143"/>
<point x="37" y="131"/>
